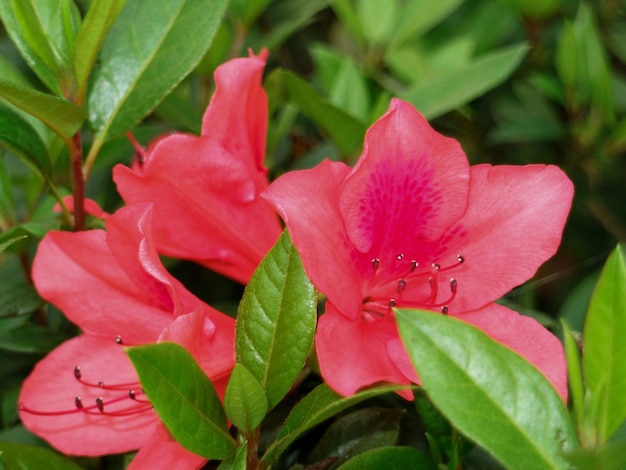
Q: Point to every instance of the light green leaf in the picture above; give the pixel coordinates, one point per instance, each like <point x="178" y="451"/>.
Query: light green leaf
<point x="23" y="140"/>
<point x="237" y="461"/>
<point x="419" y="16"/>
<point x="150" y="48"/>
<point x="18" y="456"/>
<point x="390" y="458"/>
<point x="454" y="89"/>
<point x="245" y="401"/>
<point x="184" y="398"/>
<point x="62" y="116"/>
<point x="604" y="357"/>
<point x="378" y="19"/>
<point x="319" y="405"/>
<point x="99" y="18"/>
<point x="574" y="373"/>
<point x="488" y="392"/>
<point x="345" y="131"/>
<point x="276" y="321"/>
<point x="611" y="456"/>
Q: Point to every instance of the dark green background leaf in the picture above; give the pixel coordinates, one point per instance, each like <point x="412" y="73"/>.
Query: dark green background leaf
<point x="390" y="458"/>
<point x="18" y="456"/>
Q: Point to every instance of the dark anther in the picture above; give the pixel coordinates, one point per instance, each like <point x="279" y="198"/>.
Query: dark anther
<point x="400" y="256"/>
<point x="413" y="265"/>
<point x="375" y="263"/>
<point x="401" y="285"/>
<point x="131" y="394"/>
<point x="436" y="267"/>
<point x="100" y="404"/>
<point x="101" y="384"/>
<point x="392" y="303"/>
<point x="444" y="309"/>
<point x="118" y="339"/>
<point x="460" y="259"/>
<point x="77" y="372"/>
<point x="453" y="285"/>
<point x="78" y="401"/>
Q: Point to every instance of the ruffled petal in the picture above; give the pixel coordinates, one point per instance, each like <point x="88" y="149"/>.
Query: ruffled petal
<point x="513" y="224"/>
<point x="308" y="203"/>
<point x="210" y="337"/>
<point x="52" y="387"/>
<point x="160" y="452"/>
<point x="410" y="184"/>
<point x="354" y="354"/>
<point x="525" y="336"/>
<point x="78" y="273"/>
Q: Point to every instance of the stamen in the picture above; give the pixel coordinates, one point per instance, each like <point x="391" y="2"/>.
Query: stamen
<point x="444" y="309"/>
<point x="436" y="267"/>
<point x="460" y="259"/>
<point x="131" y="394"/>
<point x="400" y="256"/>
<point x="375" y="263"/>
<point x="79" y="402"/>
<point x="100" y="404"/>
<point x="414" y="265"/>
<point x="77" y="372"/>
<point x="392" y="303"/>
<point x="401" y="285"/>
<point x="118" y="339"/>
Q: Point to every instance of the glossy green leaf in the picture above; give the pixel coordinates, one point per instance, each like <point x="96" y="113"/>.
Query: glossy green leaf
<point x="358" y="432"/>
<point x="319" y="405"/>
<point x="488" y="392"/>
<point x="99" y="18"/>
<point x="345" y="131"/>
<point x="454" y="89"/>
<point x="390" y="458"/>
<point x="19" y="301"/>
<point x="62" y="116"/>
<point x="604" y="358"/>
<point x="245" y="401"/>
<point x="611" y="456"/>
<point x="151" y="47"/>
<point x="184" y="398"/>
<point x="31" y="41"/>
<point x="276" y="320"/>
<point x="5" y="244"/>
<point x="31" y="339"/>
<point x="18" y="456"/>
<point x="23" y="140"/>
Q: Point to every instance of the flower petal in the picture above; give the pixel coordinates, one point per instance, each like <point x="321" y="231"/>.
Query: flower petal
<point x="354" y="354"/>
<point x="209" y="336"/>
<point x="237" y="113"/>
<point x="307" y="202"/>
<point x="160" y="452"/>
<point x="410" y="184"/>
<point x="78" y="274"/>
<point x="513" y="224"/>
<point x="525" y="336"/>
<point x="53" y="387"/>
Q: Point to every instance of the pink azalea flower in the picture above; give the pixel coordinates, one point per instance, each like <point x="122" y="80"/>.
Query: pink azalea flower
<point x="413" y="225"/>
<point x="205" y="190"/>
<point x="114" y="287"/>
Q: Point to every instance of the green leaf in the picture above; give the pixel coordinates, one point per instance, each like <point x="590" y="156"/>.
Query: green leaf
<point x="150" y="48"/>
<point x="536" y="9"/>
<point x="611" y="456"/>
<point x="451" y="90"/>
<point x="419" y="16"/>
<point x="604" y="358"/>
<point x="344" y="130"/>
<point x="488" y="392"/>
<point x="390" y="458"/>
<point x="276" y="321"/>
<point x="23" y="140"/>
<point x="574" y="373"/>
<point x="99" y="18"/>
<point x="358" y="432"/>
<point x="184" y="398"/>
<point x="245" y="401"/>
<point x="378" y="19"/>
<point x="8" y="243"/>
<point x="18" y="456"/>
<point x="319" y="405"/>
<point x="31" y="339"/>
<point x="19" y="301"/>
<point x="7" y="201"/>
<point x="62" y="116"/>
<point x="238" y="461"/>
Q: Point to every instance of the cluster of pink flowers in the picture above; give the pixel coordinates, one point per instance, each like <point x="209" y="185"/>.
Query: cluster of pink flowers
<point x="411" y="225"/>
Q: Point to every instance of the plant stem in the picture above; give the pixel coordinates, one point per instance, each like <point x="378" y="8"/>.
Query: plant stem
<point x="76" y="156"/>
<point x="252" y="460"/>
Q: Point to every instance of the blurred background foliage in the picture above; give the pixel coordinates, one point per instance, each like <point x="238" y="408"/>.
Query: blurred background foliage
<point x="515" y="81"/>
